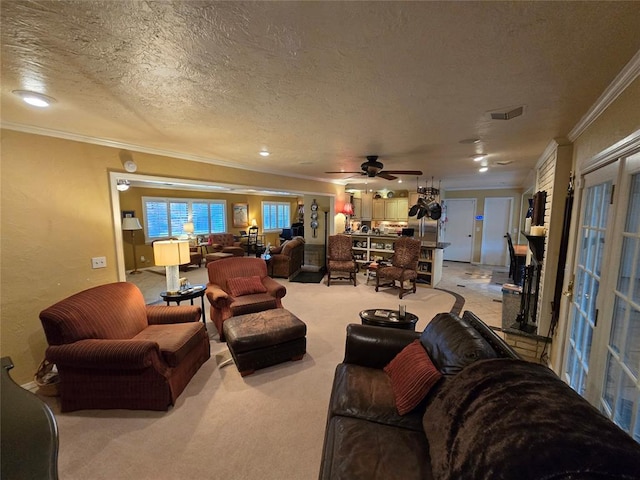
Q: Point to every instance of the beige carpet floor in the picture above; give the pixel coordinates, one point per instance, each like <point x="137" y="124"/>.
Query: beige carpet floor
<point x="269" y="425"/>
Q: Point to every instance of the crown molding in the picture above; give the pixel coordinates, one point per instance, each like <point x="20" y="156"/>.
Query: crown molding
<point x="626" y="76"/>
<point x="104" y="142"/>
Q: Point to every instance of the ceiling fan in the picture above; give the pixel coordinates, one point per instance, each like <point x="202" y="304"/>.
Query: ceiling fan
<point x="373" y="168"/>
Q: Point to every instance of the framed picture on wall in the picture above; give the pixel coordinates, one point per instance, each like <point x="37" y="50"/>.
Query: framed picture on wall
<point x="240" y="214"/>
<point x="128" y="213"/>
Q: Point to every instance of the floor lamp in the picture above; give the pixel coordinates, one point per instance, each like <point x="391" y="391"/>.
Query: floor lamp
<point x="132" y="224"/>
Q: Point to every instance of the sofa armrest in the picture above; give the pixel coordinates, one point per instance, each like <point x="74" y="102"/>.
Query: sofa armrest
<point x="105" y="354"/>
<point x="215" y="247"/>
<point x="218" y="297"/>
<point x="375" y="347"/>
<point x="161" y="314"/>
<point x="274" y="288"/>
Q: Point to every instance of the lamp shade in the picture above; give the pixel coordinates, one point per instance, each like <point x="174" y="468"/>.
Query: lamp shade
<point x="348" y="208"/>
<point x="171" y="252"/>
<point x="131" y="223"/>
<point x="187" y="227"/>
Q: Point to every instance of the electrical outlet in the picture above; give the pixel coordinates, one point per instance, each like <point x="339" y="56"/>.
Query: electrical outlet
<point x="98" y="262"/>
<point x="142" y="259"/>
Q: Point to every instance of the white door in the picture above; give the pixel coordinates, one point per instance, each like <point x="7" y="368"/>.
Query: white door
<point x="603" y="351"/>
<point x="496" y="222"/>
<point x="457" y="229"/>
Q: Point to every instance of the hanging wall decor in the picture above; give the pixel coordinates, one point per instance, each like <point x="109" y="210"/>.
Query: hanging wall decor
<point x="314" y="217"/>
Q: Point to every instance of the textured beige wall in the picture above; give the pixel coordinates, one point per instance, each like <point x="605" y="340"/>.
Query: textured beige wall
<point x="480" y="196"/>
<point x="56" y="214"/>
<point x="621" y="119"/>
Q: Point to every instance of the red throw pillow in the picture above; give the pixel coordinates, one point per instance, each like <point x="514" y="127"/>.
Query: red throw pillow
<point x="240" y="286"/>
<point x="412" y="375"/>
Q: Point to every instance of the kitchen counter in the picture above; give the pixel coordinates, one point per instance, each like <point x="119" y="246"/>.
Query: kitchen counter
<point x="390" y="236"/>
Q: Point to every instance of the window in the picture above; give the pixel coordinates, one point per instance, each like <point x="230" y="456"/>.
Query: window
<point x="276" y="215"/>
<point x="164" y="217"/>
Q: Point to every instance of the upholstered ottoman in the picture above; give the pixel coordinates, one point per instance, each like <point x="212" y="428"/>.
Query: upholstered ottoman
<point x="212" y="257"/>
<point x="258" y="340"/>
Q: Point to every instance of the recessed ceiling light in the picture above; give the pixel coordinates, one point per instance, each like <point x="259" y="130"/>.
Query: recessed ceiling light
<point x="400" y="181"/>
<point x="483" y="169"/>
<point x="35" y="99"/>
<point x="467" y="141"/>
<point x="264" y="153"/>
<point x="477" y="158"/>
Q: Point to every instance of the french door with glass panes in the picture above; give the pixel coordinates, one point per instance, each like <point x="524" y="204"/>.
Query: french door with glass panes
<point x="602" y="359"/>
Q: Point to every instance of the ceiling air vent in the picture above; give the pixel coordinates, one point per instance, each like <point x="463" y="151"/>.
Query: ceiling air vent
<point x="516" y="112"/>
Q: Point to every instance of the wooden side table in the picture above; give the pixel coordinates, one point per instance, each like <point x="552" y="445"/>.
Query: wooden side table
<point x="194" y="292"/>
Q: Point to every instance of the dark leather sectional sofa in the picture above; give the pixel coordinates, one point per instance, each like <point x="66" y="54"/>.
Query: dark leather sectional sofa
<point x="491" y="416"/>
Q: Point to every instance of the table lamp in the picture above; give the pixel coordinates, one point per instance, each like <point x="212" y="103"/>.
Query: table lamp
<point x="132" y="224"/>
<point x="170" y="254"/>
<point x="188" y="228"/>
<point x="347" y="210"/>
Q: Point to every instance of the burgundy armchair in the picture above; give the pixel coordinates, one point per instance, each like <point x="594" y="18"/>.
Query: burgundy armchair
<point x="114" y="351"/>
<point x="238" y="286"/>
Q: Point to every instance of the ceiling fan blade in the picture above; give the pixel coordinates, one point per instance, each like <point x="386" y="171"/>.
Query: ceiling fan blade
<point x="404" y="172"/>
<point x="385" y="174"/>
<point x="359" y="173"/>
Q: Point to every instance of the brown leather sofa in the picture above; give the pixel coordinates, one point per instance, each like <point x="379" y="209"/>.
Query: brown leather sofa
<point x="262" y="292"/>
<point x="491" y="415"/>
<point x="287" y="259"/>
<point x="114" y="351"/>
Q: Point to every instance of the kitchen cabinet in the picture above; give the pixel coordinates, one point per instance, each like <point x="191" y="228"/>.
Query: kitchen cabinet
<point x="396" y="209"/>
<point x="367" y="206"/>
<point x="378" y="209"/>
<point x="391" y="209"/>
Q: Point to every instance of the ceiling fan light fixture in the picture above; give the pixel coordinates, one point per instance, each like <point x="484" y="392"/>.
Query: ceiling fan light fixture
<point x="478" y="157"/>
<point x="264" y="153"/>
<point x="483" y="169"/>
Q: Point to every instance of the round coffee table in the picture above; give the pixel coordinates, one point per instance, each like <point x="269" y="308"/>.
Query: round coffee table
<point x="379" y="317"/>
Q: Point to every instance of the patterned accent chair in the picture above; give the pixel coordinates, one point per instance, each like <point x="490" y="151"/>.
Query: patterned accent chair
<point x="404" y="265"/>
<point x="238" y="286"/>
<point x="340" y="259"/>
<point x="114" y="351"/>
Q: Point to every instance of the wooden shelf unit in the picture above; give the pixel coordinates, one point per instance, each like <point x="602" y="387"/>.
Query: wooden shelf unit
<point x="430" y="266"/>
<point x="372" y="248"/>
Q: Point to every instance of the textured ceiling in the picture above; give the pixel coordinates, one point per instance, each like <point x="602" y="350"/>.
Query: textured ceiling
<point x="319" y="84"/>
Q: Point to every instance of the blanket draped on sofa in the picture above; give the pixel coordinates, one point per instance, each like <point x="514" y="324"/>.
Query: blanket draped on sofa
<point x="506" y="419"/>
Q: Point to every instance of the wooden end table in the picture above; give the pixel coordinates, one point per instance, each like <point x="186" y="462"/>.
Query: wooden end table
<point x="194" y="292"/>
